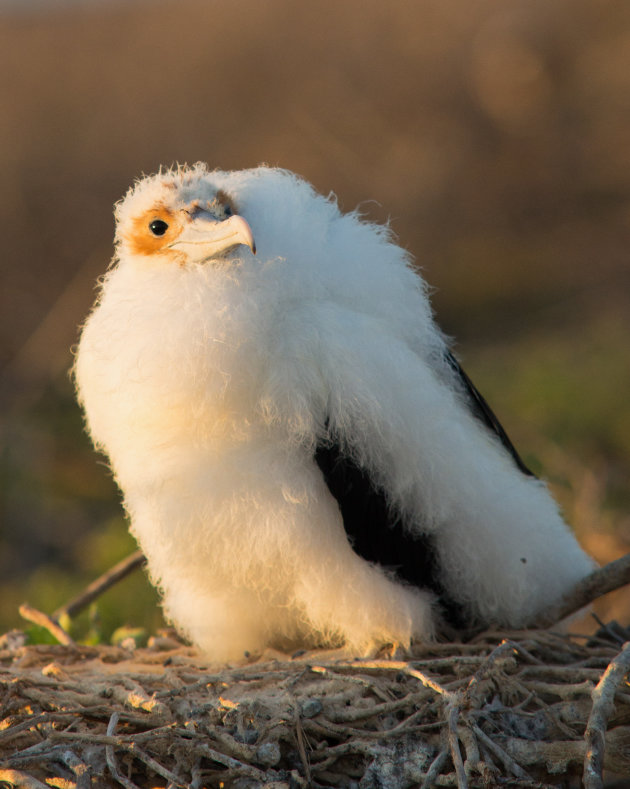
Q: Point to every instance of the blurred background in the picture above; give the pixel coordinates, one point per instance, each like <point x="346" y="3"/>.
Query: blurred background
<point x="492" y="135"/>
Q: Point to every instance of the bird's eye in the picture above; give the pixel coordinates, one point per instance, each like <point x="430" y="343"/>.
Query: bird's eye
<point x="227" y="210"/>
<point x="158" y="227"/>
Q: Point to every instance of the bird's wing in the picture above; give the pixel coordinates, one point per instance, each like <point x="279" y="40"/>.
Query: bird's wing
<point x="374" y="529"/>
<point x="483" y="412"/>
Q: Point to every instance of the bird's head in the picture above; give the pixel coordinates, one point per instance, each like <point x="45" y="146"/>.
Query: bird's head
<point x="179" y="217"/>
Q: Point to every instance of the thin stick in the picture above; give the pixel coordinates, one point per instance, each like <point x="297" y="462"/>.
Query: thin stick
<point x="101" y="584"/>
<point x="81" y="770"/>
<point x="507" y="760"/>
<point x="603" y="580"/>
<point x="111" y="759"/>
<point x="302" y="749"/>
<point x="387" y="666"/>
<point x="154" y="765"/>
<point x="435" y="769"/>
<point x="603" y="705"/>
<point x="43" y="620"/>
<point x="233" y="764"/>
<point x="452" y="717"/>
<point x="18" y="778"/>
<point x="355" y="714"/>
<point x="489" y="663"/>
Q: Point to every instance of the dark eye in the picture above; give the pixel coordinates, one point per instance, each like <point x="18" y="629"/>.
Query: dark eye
<point x="227" y="210"/>
<point x="158" y="227"/>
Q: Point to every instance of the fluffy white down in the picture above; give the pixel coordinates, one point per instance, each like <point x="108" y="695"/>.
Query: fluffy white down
<point x="208" y="385"/>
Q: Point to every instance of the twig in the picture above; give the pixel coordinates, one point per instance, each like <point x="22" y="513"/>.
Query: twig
<point x="111" y="759"/>
<point x="603" y="705"/>
<point x="471" y="747"/>
<point x="124" y="741"/>
<point x="299" y="731"/>
<point x="603" y="580"/>
<point x="488" y="665"/>
<point x="231" y="763"/>
<point x="435" y="769"/>
<point x="565" y="691"/>
<point x="514" y="767"/>
<point x="527" y="655"/>
<point x="101" y="584"/>
<point x="387" y="666"/>
<point x="410" y="724"/>
<point x="452" y="717"/>
<point x="614" y="637"/>
<point x="326" y="728"/>
<point x="23" y="780"/>
<point x="354" y="714"/>
<point x="12" y="731"/>
<point x="81" y="770"/>
<point x="154" y="765"/>
<point x="568" y="674"/>
<point x="43" y="620"/>
<point x="334" y="752"/>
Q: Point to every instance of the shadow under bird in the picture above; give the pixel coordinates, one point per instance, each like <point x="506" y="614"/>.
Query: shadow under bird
<point x="302" y="458"/>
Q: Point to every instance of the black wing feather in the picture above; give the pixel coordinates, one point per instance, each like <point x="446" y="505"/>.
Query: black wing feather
<point x="376" y="533"/>
<point x="484" y="413"/>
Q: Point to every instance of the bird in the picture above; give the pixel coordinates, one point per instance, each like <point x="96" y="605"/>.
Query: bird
<point x="302" y="458"/>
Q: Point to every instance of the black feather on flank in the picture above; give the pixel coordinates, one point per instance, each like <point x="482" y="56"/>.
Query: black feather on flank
<point x="376" y="533"/>
<point x="484" y="413"/>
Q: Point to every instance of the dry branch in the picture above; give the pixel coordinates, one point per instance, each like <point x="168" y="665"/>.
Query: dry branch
<point x="435" y="769"/>
<point x="600" y="582"/>
<point x="101" y="584"/>
<point x="510" y="764"/>
<point x="452" y="718"/>
<point x="111" y="759"/>
<point x="43" y="620"/>
<point x="603" y="706"/>
<point x="17" y="778"/>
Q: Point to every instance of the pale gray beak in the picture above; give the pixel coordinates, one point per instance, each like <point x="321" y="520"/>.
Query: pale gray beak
<point x="205" y="237"/>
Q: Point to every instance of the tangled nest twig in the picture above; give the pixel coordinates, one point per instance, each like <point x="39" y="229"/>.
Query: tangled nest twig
<point x="529" y="711"/>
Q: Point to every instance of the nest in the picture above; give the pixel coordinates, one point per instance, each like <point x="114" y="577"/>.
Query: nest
<point x="525" y="709"/>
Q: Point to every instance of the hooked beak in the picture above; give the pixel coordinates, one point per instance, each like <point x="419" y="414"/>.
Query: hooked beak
<point x="206" y="237"/>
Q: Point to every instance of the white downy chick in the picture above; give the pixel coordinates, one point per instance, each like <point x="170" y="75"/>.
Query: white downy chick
<point x="302" y="459"/>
